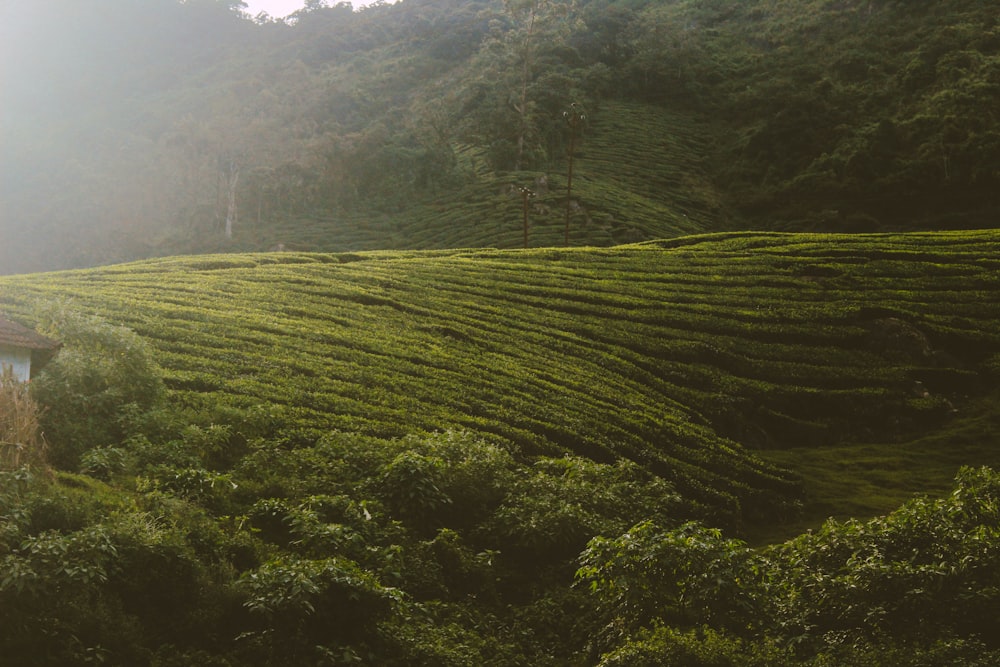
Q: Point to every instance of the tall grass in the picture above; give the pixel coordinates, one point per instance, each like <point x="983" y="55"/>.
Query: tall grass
<point x="21" y="441"/>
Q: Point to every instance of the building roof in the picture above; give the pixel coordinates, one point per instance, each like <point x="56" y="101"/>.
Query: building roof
<point x="13" y="334"/>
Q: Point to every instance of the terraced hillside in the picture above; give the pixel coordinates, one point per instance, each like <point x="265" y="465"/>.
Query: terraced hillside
<point x="638" y="174"/>
<point x="684" y="356"/>
<point x="503" y="457"/>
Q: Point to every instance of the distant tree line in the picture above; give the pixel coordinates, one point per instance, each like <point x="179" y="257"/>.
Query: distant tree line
<point x="134" y="129"/>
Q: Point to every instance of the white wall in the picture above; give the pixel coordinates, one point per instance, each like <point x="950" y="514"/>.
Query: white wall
<point x="17" y="358"/>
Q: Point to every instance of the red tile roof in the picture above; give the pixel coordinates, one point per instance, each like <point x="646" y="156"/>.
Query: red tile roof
<point x="13" y="334"/>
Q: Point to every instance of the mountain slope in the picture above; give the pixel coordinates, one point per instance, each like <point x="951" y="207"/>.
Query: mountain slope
<point x="672" y="354"/>
<point x="408" y="455"/>
<point x="639" y="174"/>
<point x="400" y="126"/>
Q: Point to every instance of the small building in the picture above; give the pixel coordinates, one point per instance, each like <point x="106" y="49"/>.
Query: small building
<point x="23" y="350"/>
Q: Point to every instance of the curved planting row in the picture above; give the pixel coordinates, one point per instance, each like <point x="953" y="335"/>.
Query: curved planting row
<point x="638" y="174"/>
<point x="672" y="354"/>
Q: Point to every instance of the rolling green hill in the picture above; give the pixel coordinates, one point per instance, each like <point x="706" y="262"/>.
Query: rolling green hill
<point x="430" y="439"/>
<point x="338" y="415"/>
<point x="693" y="357"/>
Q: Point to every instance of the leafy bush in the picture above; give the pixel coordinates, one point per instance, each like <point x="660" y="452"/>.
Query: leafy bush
<point x="104" y="462"/>
<point x="930" y="570"/>
<point x="52" y="581"/>
<point x="197" y="485"/>
<point x="702" y="647"/>
<point x="307" y="605"/>
<point x="411" y="483"/>
<point x="551" y="512"/>
<point x="90" y="574"/>
<point x="684" y="577"/>
<point x="951" y="652"/>
<point x="92" y="389"/>
<point x="920" y="586"/>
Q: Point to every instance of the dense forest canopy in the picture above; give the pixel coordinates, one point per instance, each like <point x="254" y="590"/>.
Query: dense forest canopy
<point x="132" y="129"/>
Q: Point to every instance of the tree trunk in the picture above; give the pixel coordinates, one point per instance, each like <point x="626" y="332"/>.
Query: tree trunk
<point x="522" y="107"/>
<point x="231" y="212"/>
<point x="569" y="179"/>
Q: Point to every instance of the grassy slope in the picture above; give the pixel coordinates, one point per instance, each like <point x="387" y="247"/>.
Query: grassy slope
<point x="806" y="348"/>
<point x="638" y="175"/>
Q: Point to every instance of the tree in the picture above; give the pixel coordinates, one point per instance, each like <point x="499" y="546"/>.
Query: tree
<point x="526" y="13"/>
<point x="525" y="39"/>
<point x="229" y="173"/>
<point x="526" y="194"/>
<point x="685" y="577"/>
<point x="575" y="118"/>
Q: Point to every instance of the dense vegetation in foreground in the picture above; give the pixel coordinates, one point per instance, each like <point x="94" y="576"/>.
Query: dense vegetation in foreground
<point x="540" y="457"/>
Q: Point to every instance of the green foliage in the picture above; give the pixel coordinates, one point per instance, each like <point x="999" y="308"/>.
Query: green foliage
<point x="101" y="377"/>
<point x="411" y="487"/>
<point x="89" y="575"/>
<point x="51" y="566"/>
<point x="550" y="513"/>
<point x="104" y="462"/>
<point x="398" y="458"/>
<point x="703" y="647"/>
<point x="928" y="570"/>
<point x="323" y="607"/>
<point x="684" y="577"/>
<point x="198" y="485"/>
<point x="521" y="78"/>
<point x="289" y="591"/>
<point x="918" y="586"/>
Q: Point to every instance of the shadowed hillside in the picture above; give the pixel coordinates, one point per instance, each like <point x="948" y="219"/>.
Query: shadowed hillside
<point x="639" y="174"/>
<point x="177" y="128"/>
<point x="349" y="374"/>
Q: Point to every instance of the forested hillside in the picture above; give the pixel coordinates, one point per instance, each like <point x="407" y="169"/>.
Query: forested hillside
<point x="134" y="129"/>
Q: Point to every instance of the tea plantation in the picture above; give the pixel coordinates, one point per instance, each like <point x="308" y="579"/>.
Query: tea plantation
<point x="516" y="457"/>
<point x="640" y="174"/>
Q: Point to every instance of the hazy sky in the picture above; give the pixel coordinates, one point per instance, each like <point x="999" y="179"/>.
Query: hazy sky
<point x="282" y="8"/>
<point x="278" y="8"/>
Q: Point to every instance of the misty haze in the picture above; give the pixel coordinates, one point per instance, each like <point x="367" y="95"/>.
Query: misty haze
<point x="549" y="333"/>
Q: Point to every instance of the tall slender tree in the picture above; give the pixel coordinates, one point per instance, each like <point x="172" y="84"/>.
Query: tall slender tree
<point x="526" y="194"/>
<point x="575" y="119"/>
<point x="512" y="59"/>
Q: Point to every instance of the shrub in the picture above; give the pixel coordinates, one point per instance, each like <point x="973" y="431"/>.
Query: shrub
<point x="927" y="571"/>
<point x="314" y="605"/>
<point x="550" y="513"/>
<point x="688" y="576"/>
<point x="695" y="648"/>
<point x="93" y="388"/>
<point x="411" y="485"/>
<point x="52" y="581"/>
<point x="104" y="462"/>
